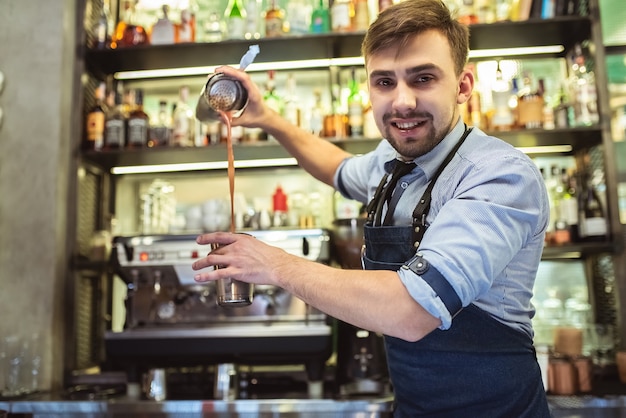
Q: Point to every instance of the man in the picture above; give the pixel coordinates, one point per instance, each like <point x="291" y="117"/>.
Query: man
<point x="451" y="252"/>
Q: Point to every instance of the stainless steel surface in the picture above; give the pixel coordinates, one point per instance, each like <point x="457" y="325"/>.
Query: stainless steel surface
<point x="225" y="387"/>
<point x="174" y="322"/>
<point x="155" y="385"/>
<point x="231" y="292"/>
<point x="305" y="408"/>
<point x="49" y="406"/>
<point x="220" y="93"/>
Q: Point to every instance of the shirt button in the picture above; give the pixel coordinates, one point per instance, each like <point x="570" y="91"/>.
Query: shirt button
<point x="404" y="184"/>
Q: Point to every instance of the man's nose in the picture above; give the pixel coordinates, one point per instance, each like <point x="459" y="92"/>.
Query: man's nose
<point x="405" y="97"/>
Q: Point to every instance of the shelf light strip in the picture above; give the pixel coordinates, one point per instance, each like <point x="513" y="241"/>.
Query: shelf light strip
<point x="321" y="63"/>
<point x="213" y="165"/>
<point x="273" y="162"/>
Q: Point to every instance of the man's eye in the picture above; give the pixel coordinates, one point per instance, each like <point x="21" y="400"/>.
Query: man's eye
<point x="384" y="82"/>
<point x="423" y="79"/>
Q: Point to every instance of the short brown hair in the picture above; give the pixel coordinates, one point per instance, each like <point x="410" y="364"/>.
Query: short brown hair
<point x="397" y="24"/>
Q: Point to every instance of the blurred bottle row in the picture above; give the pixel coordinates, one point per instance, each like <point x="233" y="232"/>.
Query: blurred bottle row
<point x="119" y="119"/>
<point x="141" y="22"/>
<point x="508" y="95"/>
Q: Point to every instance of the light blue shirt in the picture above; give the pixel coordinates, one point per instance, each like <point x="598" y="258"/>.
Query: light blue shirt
<point x="486" y="224"/>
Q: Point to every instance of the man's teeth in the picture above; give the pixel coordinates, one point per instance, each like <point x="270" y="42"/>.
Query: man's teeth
<point x="406" y="125"/>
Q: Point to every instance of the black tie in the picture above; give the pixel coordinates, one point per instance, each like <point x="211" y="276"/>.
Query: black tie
<point x="399" y="170"/>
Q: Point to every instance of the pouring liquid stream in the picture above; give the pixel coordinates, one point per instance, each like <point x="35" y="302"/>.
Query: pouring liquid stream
<point x="227" y="119"/>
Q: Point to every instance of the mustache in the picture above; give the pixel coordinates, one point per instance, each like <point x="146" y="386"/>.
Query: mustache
<point x="407" y="115"/>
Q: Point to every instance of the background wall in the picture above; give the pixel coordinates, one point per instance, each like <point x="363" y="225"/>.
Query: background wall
<point x="37" y="47"/>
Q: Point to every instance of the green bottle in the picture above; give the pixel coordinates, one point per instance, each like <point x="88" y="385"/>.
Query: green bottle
<point x="320" y="19"/>
<point x="235" y="16"/>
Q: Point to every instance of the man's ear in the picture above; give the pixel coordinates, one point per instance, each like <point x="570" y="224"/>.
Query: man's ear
<point x="466" y="86"/>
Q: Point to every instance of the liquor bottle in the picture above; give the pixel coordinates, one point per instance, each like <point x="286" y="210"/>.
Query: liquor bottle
<point x="467" y="12"/>
<point x="569" y="203"/>
<point x="341" y="14"/>
<point x="316" y="123"/>
<point x="592" y="223"/>
<point x="160" y="128"/>
<point x="274" y="20"/>
<point x="235" y="16"/>
<point x="298" y="16"/>
<point x="101" y="30"/>
<point x="556" y="189"/>
<point x="94" y="139"/>
<point x="115" y="124"/>
<point x="292" y="108"/>
<point x="138" y="123"/>
<point x="361" y="15"/>
<point x="214" y="28"/>
<point x="320" y="18"/>
<point x="183" y="120"/>
<point x="254" y="10"/>
<point x="185" y="30"/>
<point x="583" y="90"/>
<point x="163" y="30"/>
<point x="273" y="100"/>
<point x="355" y="107"/>
<point x="502" y="119"/>
<point x="383" y="4"/>
<point x="128" y="32"/>
<point x="529" y="104"/>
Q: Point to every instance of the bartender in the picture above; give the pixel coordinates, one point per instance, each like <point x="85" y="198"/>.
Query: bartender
<point x="454" y="236"/>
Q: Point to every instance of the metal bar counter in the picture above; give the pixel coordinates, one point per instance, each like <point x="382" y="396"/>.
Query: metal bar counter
<point x="41" y="407"/>
<point x="50" y="407"/>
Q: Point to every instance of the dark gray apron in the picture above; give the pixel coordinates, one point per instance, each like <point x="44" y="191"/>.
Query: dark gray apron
<point x="477" y="368"/>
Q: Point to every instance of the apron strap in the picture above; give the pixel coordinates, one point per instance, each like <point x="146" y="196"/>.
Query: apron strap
<point x="423" y="206"/>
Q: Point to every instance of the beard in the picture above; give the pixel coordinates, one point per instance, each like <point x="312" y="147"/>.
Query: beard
<point x="411" y="147"/>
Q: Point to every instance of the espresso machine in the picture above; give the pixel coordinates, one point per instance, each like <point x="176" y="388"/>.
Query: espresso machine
<point x="174" y="322"/>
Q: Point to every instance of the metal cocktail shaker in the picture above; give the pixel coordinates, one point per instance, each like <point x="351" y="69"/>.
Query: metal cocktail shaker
<point x="224" y="93"/>
<point x="231" y="292"/>
<point x="220" y="92"/>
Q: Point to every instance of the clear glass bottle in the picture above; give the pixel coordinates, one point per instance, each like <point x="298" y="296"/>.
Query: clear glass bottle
<point x="502" y="119"/>
<point x="583" y="89"/>
<point x="185" y="30"/>
<point x="355" y="106"/>
<point x="299" y="16"/>
<point x="214" y="28"/>
<point x="341" y="14"/>
<point x="292" y="107"/>
<point x="235" y="16"/>
<point x="183" y="120"/>
<point x="101" y="30"/>
<point x="163" y="30"/>
<point x="254" y="11"/>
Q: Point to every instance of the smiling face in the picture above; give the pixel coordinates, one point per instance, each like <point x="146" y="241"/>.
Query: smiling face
<point x="415" y="92"/>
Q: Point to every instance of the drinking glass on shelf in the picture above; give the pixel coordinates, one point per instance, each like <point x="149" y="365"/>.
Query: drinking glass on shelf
<point x="600" y="343"/>
<point x="13" y="362"/>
